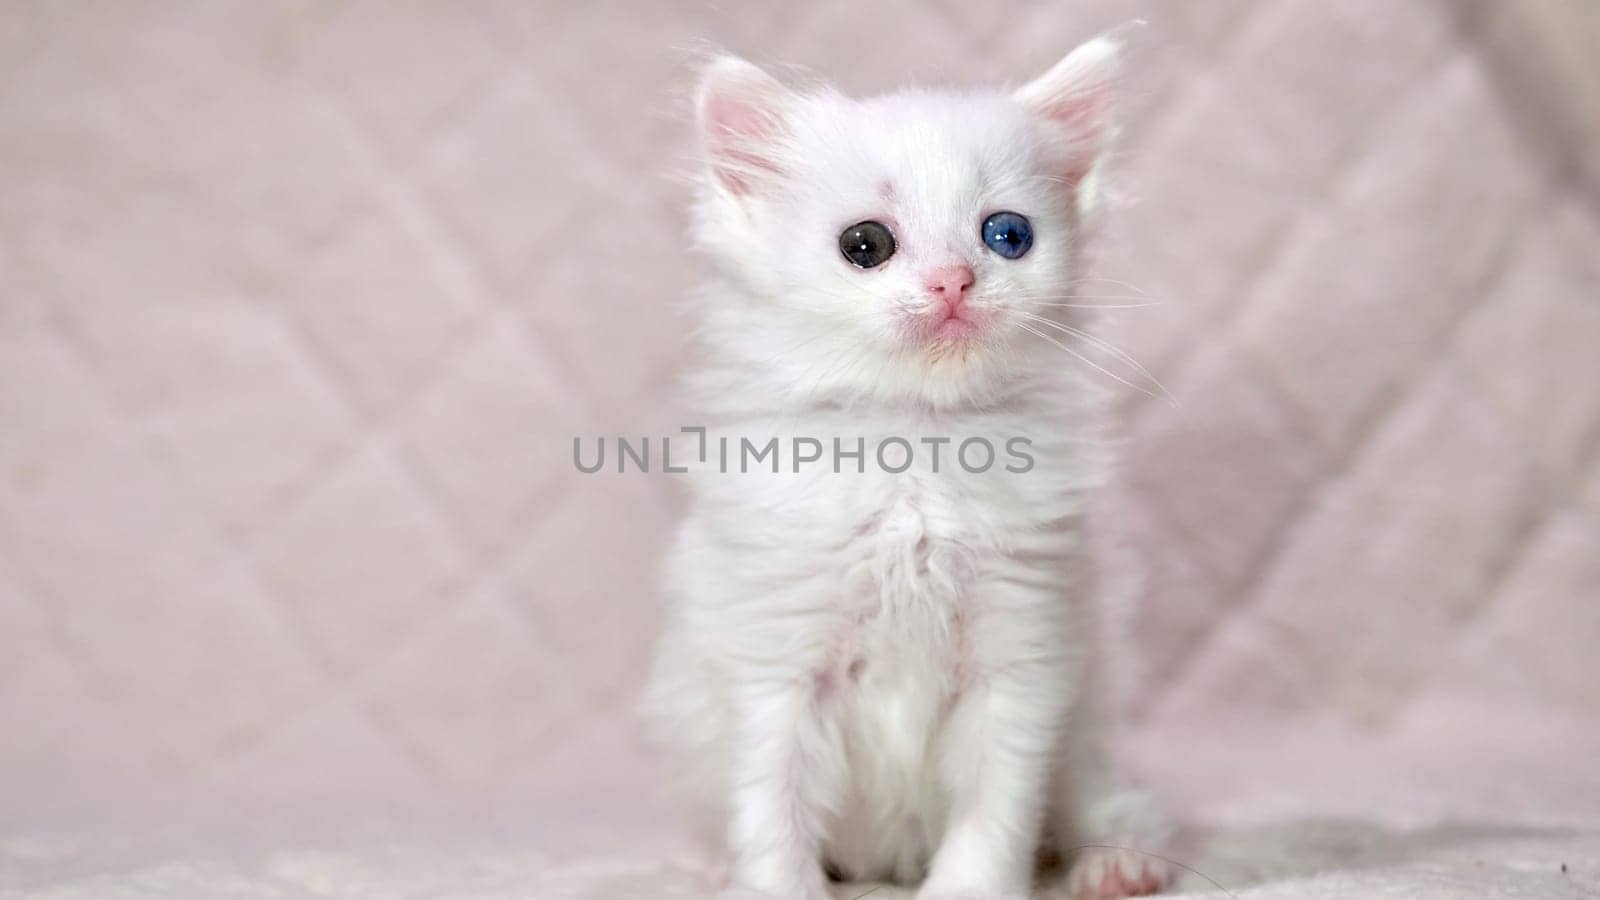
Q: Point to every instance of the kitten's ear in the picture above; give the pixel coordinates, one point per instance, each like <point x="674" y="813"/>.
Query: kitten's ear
<point x="1076" y="96"/>
<point x="741" y="112"/>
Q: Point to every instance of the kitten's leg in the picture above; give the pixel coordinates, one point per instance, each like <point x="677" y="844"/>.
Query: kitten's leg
<point x="1000" y="744"/>
<point x="999" y="747"/>
<point x="1118" y="851"/>
<point x="788" y="768"/>
<point x="1111" y="834"/>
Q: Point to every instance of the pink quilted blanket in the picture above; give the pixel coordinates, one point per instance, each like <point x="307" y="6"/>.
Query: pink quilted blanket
<point x="300" y="596"/>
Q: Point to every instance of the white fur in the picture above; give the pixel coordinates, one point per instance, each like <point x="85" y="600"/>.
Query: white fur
<point x="899" y="674"/>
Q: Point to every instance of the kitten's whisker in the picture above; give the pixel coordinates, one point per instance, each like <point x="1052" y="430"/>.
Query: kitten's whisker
<point x="1074" y="295"/>
<point x="1093" y="305"/>
<point x="1092" y="279"/>
<point x="1108" y="347"/>
<point x="1068" y="298"/>
<point x="1084" y="359"/>
<point x="1119" y="353"/>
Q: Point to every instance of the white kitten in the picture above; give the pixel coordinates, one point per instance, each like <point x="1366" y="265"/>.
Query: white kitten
<point x="887" y="673"/>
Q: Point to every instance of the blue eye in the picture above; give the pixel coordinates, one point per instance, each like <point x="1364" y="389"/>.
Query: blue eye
<point x="1008" y="234"/>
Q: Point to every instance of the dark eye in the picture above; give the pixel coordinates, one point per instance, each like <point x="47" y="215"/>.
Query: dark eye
<point x="867" y="244"/>
<point x="1008" y="234"/>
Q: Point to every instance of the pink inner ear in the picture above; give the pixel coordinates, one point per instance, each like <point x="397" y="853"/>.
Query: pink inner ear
<point x="1084" y="113"/>
<point x="736" y="128"/>
<point x="734" y="115"/>
<point x="1084" y="110"/>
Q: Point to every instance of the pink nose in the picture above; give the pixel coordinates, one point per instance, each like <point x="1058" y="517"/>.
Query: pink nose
<point x="950" y="283"/>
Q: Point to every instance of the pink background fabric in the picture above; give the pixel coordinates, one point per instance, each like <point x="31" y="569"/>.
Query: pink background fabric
<point x="301" y="305"/>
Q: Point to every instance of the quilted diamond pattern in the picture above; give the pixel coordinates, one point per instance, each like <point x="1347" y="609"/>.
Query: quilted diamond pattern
<point x="301" y="305"/>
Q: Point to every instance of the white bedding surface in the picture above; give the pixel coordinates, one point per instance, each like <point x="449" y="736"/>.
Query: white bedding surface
<point x="1479" y="803"/>
<point x="1303" y="860"/>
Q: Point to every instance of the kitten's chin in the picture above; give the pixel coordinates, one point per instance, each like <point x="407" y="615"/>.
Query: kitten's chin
<point x="956" y="370"/>
<point x="953" y="347"/>
<point x="955" y="332"/>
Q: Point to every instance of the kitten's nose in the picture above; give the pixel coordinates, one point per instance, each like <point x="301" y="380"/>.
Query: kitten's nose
<point x="950" y="283"/>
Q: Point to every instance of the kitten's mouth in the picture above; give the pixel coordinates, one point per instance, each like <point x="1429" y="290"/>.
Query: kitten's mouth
<point x="941" y="329"/>
<point x="955" y="329"/>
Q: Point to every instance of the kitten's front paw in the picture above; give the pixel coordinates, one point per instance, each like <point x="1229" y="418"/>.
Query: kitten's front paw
<point x="774" y="883"/>
<point x="1108" y="873"/>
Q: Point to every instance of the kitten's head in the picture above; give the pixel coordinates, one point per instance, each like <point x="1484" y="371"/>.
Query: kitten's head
<point x="901" y="247"/>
